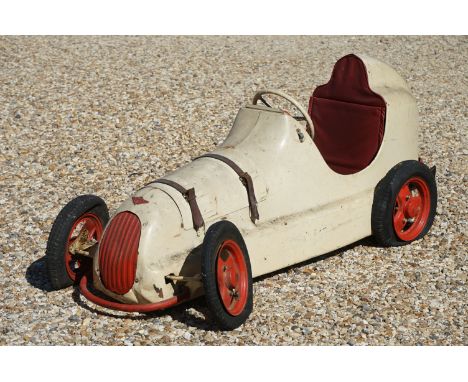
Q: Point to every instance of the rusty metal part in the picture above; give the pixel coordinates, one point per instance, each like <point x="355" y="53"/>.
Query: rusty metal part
<point x="300" y="135"/>
<point x="191" y="199"/>
<point x="81" y="244"/>
<point x="159" y="291"/>
<point x="186" y="279"/>
<point x="246" y="180"/>
<point x="82" y="253"/>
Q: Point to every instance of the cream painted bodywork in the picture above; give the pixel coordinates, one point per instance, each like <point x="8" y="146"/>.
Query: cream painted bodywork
<point x="305" y="208"/>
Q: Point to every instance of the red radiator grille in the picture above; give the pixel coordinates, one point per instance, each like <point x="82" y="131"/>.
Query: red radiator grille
<point x="118" y="252"/>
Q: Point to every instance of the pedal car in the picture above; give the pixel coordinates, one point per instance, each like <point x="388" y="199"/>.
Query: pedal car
<point x="276" y="192"/>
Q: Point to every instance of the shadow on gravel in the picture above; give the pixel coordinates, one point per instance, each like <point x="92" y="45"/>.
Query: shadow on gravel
<point x="367" y="242"/>
<point x="199" y="305"/>
<point x="36" y="275"/>
<point x="178" y="313"/>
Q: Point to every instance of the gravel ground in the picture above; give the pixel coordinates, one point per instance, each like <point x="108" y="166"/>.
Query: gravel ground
<point x="104" y="115"/>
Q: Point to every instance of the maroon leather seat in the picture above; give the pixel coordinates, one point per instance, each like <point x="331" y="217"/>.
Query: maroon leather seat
<point x="348" y="117"/>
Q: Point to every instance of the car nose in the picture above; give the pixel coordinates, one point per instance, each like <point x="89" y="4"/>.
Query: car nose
<point x="118" y="252"/>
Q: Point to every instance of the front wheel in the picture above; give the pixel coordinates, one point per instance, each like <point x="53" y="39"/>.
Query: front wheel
<point x="227" y="275"/>
<point x="82" y="219"/>
<point x="405" y="203"/>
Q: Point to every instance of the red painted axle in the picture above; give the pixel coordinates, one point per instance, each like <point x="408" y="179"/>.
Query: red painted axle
<point x="142" y="308"/>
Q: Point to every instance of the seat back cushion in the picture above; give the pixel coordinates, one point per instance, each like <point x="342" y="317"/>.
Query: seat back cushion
<point x="348" y="117"/>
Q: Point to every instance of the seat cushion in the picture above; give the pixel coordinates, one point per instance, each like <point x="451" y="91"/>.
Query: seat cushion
<point x="348" y="117"/>
<point x="350" y="139"/>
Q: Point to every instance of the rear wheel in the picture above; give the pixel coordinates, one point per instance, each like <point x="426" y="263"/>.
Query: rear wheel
<point x="82" y="220"/>
<point x="405" y="203"/>
<point x="227" y="275"/>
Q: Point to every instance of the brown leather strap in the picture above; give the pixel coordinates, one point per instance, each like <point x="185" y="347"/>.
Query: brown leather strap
<point x="246" y="180"/>
<point x="191" y="199"/>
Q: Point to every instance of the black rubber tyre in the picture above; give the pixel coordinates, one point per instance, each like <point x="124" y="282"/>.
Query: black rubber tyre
<point x="385" y="199"/>
<point x="57" y="250"/>
<point x="216" y="244"/>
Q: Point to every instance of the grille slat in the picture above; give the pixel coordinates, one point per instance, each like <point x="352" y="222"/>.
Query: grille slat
<point x="107" y="259"/>
<point x="132" y="246"/>
<point x="118" y="252"/>
<point x="124" y="250"/>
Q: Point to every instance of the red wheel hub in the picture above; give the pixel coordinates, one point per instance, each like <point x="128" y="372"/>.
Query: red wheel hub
<point x="93" y="226"/>
<point x="232" y="277"/>
<point x="411" y="210"/>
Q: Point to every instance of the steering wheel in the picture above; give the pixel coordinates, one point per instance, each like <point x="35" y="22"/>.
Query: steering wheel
<point x="305" y="116"/>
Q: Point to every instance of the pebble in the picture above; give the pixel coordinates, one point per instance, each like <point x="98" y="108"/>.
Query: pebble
<point x="366" y="308"/>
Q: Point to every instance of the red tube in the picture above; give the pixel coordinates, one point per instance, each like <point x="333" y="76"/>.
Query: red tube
<point x="142" y="308"/>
